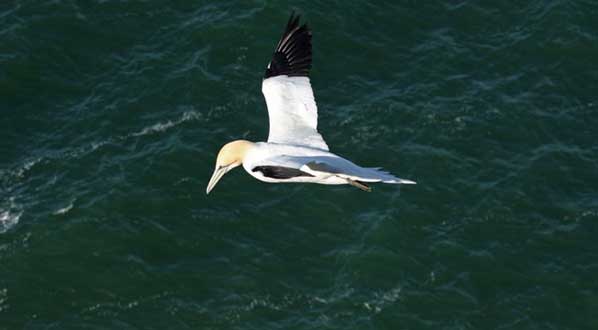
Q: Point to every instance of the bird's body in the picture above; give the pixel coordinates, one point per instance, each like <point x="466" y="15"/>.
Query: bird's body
<point x="295" y="150"/>
<point x="273" y="162"/>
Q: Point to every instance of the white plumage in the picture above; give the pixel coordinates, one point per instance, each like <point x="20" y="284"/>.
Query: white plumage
<point x="292" y="111"/>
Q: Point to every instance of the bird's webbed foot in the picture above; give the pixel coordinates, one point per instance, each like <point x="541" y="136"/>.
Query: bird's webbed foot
<point x="359" y="185"/>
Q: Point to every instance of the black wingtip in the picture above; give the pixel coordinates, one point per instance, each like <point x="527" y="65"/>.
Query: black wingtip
<point x="292" y="56"/>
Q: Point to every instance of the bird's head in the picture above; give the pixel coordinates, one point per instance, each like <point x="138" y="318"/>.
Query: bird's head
<point x="230" y="156"/>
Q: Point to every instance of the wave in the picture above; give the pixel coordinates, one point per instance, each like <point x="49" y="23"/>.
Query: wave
<point x="372" y="302"/>
<point x="383" y="299"/>
<point x="19" y="171"/>
<point x="9" y="216"/>
<point x="159" y="127"/>
<point x="64" y="209"/>
<point x="163" y="126"/>
<point x="3" y="298"/>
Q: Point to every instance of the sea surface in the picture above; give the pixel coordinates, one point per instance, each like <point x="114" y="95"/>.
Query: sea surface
<point x="112" y="113"/>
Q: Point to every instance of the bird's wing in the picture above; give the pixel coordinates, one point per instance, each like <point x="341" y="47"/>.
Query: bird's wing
<point x="291" y="105"/>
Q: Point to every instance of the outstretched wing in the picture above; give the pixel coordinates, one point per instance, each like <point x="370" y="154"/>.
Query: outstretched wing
<point x="291" y="105"/>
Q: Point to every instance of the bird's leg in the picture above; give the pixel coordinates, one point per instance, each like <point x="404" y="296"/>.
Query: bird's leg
<point x="359" y="185"/>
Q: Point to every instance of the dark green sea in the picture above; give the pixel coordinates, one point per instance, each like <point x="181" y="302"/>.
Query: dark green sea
<point x="112" y="113"/>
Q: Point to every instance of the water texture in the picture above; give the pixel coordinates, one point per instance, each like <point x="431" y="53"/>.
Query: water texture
<point x="113" y="112"/>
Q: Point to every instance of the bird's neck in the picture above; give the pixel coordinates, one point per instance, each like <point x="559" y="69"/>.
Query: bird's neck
<point x="240" y="149"/>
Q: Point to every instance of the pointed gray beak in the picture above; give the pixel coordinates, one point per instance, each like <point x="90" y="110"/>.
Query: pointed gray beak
<point x="218" y="173"/>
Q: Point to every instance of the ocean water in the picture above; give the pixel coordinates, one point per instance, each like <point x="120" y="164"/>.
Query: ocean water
<point x="113" y="112"/>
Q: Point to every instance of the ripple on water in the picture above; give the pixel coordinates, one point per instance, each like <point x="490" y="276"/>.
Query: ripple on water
<point x="323" y="307"/>
<point x="3" y="299"/>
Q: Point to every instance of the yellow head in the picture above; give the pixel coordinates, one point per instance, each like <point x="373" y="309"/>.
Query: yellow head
<point x="229" y="157"/>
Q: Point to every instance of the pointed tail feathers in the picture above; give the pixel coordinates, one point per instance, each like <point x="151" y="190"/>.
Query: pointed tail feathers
<point x="356" y="173"/>
<point x="376" y="174"/>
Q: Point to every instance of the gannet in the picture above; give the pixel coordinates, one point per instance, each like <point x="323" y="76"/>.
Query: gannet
<point x="295" y="151"/>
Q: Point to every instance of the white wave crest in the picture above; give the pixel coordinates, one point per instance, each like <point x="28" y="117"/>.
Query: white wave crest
<point x="63" y="210"/>
<point x="3" y="299"/>
<point x="159" y="127"/>
<point x="9" y="216"/>
<point x="20" y="171"/>
<point x="163" y="126"/>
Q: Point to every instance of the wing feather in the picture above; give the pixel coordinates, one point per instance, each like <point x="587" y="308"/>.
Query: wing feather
<point x="292" y="109"/>
<point x="292" y="56"/>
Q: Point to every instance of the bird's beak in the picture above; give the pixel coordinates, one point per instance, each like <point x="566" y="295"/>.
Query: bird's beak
<point x="218" y="173"/>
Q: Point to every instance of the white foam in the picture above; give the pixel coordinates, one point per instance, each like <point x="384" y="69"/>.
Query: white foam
<point x="20" y="172"/>
<point x="383" y="299"/>
<point x="3" y="299"/>
<point x="163" y="126"/>
<point x="191" y="115"/>
<point x="159" y="127"/>
<point x="9" y="215"/>
<point x="8" y="219"/>
<point x="63" y="210"/>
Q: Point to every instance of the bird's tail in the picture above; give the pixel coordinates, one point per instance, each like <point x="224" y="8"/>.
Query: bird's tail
<point x="358" y="174"/>
<point x="377" y="174"/>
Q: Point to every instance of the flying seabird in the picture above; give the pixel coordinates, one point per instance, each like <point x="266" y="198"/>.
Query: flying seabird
<point x="295" y="151"/>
